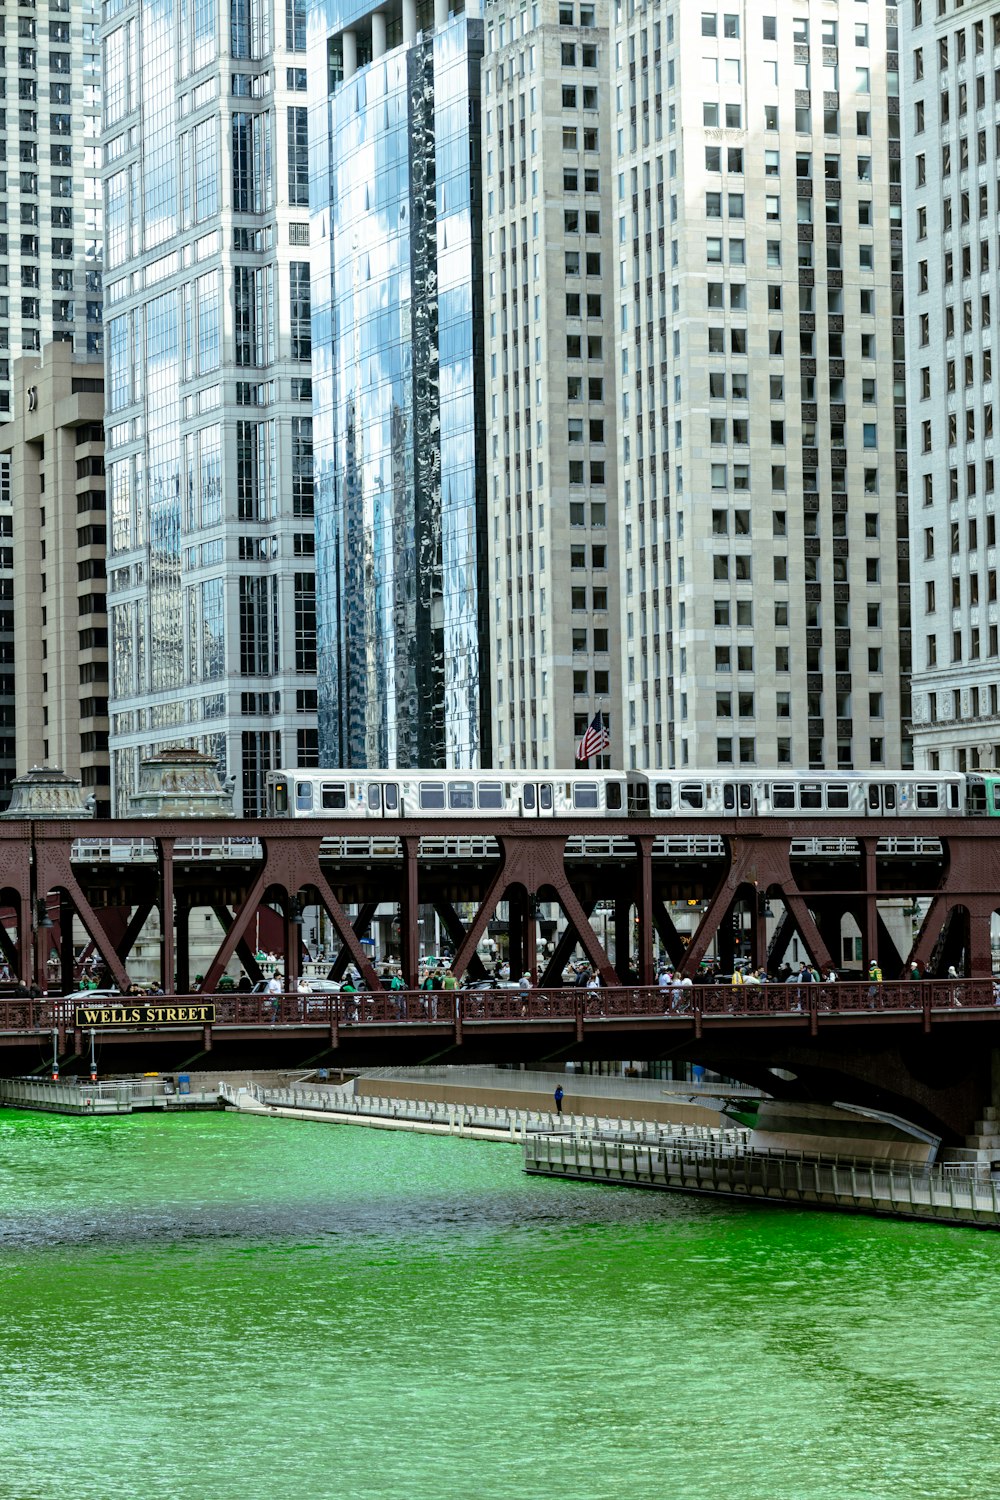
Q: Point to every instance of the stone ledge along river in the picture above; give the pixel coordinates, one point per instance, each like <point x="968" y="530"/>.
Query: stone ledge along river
<point x="220" y="1307"/>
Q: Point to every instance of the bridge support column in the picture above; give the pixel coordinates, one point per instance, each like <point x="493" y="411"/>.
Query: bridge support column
<point x="293" y="942"/>
<point x="182" y="954"/>
<point x="869" y="927"/>
<point x="623" y="938"/>
<point x="531" y="936"/>
<point x="644" y="911"/>
<point x="979" y="956"/>
<point x="725" y="944"/>
<point x="409" y="932"/>
<point x="67" y="970"/>
<point x="165" y="851"/>
<point x="758" y="933"/>
<point x="516" y="902"/>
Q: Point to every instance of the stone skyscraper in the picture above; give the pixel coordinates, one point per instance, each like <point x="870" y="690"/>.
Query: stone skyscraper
<point x="551" y="347"/>
<point x="759" y="270"/>
<point x="50" y="279"/>
<point x="951" y="92"/>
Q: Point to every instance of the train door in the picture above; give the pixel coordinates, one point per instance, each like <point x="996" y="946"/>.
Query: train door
<point x="739" y="797"/>
<point x="537" y="800"/>
<point x="382" y="799"/>
<point x="881" y="798"/>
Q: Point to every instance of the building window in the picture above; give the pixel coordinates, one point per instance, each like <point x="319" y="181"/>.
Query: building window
<point x="298" y="155"/>
<point x="298" y="307"/>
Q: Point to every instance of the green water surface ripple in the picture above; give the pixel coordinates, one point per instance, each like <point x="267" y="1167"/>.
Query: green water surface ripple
<point x="222" y="1306"/>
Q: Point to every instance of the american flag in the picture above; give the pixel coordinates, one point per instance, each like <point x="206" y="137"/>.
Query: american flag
<point x="596" y="739"/>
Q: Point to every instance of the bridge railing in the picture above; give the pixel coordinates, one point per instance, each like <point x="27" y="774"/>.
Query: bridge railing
<point x="683" y="1003"/>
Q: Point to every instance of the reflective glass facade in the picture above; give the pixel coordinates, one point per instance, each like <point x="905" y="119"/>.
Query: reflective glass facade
<point x="210" y="535"/>
<point x="398" y="400"/>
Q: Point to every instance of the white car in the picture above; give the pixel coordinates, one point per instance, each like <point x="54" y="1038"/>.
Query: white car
<point x="97" y="996"/>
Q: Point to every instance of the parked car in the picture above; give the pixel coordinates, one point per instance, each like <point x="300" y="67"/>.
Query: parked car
<point x="97" y="996"/>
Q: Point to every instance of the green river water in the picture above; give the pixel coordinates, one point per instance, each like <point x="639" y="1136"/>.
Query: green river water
<point x="215" y="1306"/>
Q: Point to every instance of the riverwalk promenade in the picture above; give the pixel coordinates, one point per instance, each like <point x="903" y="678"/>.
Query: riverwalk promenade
<point x="597" y="1141"/>
<point x="670" y="1158"/>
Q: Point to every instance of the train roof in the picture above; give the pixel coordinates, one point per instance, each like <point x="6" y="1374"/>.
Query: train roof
<point x="362" y="773"/>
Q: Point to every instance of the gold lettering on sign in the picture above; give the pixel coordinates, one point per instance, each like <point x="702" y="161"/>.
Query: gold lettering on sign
<point x="144" y="1015"/>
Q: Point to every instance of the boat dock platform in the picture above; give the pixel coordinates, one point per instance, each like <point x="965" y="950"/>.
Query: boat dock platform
<point x="118" y="1096"/>
<point x="959" y="1193"/>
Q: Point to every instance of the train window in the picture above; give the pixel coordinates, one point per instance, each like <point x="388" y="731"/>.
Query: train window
<point x="873" y="798"/>
<point x="585" y="794"/>
<point x="281" y="796"/>
<point x="431" y="794"/>
<point x="889" y="797"/>
<point x="528" y="796"/>
<point x="545" y="796"/>
<point x="374" y="796"/>
<point x="729" y="797"/>
<point x="691" y="795"/>
<point x="614" y="796"/>
<point x="461" y="795"/>
<point x="491" y="794"/>
<point x="783" y="796"/>
<point x="334" y="794"/>
<point x="837" y="796"/>
<point x="746" y="798"/>
<point x="303" y="795"/>
<point x="663" y="796"/>
<point x="811" y="795"/>
<point x="927" y="796"/>
<point x="391" y="797"/>
<point x="953" y="795"/>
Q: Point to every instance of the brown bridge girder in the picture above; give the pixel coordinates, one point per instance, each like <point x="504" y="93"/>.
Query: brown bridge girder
<point x="359" y="926"/>
<point x="763" y="865"/>
<point x="107" y="895"/>
<point x="290" y="865"/>
<point x="536" y="863"/>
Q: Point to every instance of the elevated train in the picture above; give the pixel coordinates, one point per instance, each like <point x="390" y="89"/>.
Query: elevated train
<point x="384" y="795"/>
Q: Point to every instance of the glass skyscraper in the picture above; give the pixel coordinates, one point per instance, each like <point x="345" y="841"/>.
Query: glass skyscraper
<point x="209" y="431"/>
<point x="395" y="190"/>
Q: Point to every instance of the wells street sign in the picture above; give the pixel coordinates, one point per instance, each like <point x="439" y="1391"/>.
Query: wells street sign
<point x="144" y="1015"/>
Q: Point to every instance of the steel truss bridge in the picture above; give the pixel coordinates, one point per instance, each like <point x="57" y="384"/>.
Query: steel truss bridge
<point x="111" y="876"/>
<point x="927" y="1047"/>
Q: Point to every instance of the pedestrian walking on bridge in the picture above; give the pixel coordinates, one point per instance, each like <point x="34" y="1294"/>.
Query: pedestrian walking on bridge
<point x="558" y="1097"/>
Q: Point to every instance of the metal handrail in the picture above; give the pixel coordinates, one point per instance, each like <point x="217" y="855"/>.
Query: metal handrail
<point x="683" y="1004"/>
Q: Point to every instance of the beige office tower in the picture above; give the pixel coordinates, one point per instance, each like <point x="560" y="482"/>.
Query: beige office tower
<point x="758" y="275"/>
<point x="550" y="380"/>
<point x="949" y="66"/>
<point x="50" y="232"/>
<point x="50" y="214"/>
<point x="54" y="446"/>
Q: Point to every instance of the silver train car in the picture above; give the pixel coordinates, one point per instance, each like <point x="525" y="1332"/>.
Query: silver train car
<point x="445" y="794"/>
<point x="310" y="793"/>
<point x="876" y="794"/>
